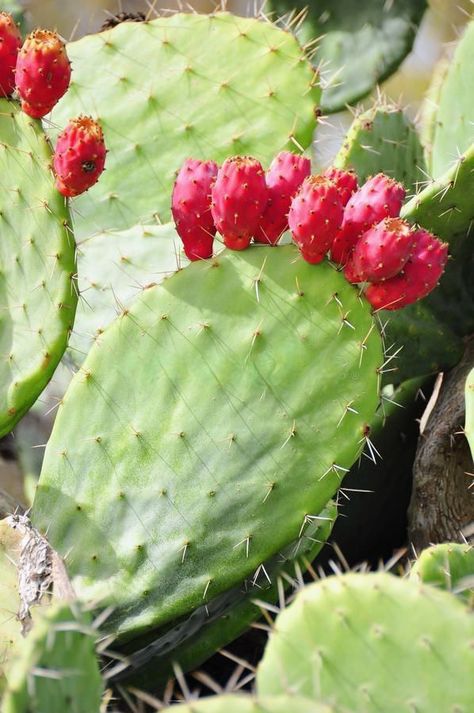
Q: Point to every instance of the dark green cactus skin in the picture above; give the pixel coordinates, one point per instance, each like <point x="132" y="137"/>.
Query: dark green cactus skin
<point x="373" y="642"/>
<point x="359" y="44"/>
<point x="252" y="377"/>
<point x="37" y="255"/>
<point x="383" y="139"/>
<point x="225" y="618"/>
<point x="450" y="566"/>
<point x="56" y="669"/>
<point x="173" y="88"/>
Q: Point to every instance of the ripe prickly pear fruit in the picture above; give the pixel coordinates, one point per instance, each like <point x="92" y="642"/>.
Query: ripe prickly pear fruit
<point x="43" y="72"/>
<point x="315" y="216"/>
<point x="191" y="207"/>
<point x="10" y="43"/>
<point x="285" y="175"/>
<point x="383" y="250"/>
<point x="350" y="273"/>
<point x="79" y="157"/>
<point x="380" y="197"/>
<point x="419" y="277"/>
<point x="238" y="199"/>
<point x="345" y="182"/>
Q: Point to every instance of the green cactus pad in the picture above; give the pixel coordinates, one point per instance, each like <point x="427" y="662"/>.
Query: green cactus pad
<point x="429" y="109"/>
<point x="449" y="566"/>
<point x="383" y="139"/>
<point x="186" y="85"/>
<point x="359" y="44"/>
<point x="10" y="629"/>
<point x="445" y="205"/>
<point x="373" y="642"/>
<point x="469" y="425"/>
<point x="251" y="704"/>
<point x="113" y="268"/>
<point x="454" y="128"/>
<point x="57" y="669"/>
<point x="229" y="398"/>
<point x="222" y="620"/>
<point x="37" y="294"/>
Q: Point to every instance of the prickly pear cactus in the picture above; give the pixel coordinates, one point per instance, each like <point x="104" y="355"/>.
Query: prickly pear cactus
<point x="216" y="624"/>
<point x="453" y="131"/>
<point x="57" y="669"/>
<point x="37" y="292"/>
<point x="449" y="566"/>
<point x="114" y="267"/>
<point x="253" y="376"/>
<point x="358" y="45"/>
<point x="251" y="704"/>
<point x="10" y="630"/>
<point x="173" y="88"/>
<point x="469" y="425"/>
<point x="382" y="139"/>
<point x="338" y="641"/>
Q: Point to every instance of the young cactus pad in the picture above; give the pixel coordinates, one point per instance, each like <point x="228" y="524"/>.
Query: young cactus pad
<point x="251" y="704"/>
<point x="37" y="292"/>
<point x="57" y="669"/>
<point x="450" y="566"/>
<point x="230" y="399"/>
<point x="206" y="86"/>
<point x="359" y="44"/>
<point x="373" y="642"/>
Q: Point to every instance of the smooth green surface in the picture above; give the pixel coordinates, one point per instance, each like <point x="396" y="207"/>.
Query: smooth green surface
<point x="180" y="86"/>
<point x="225" y="618"/>
<point x="57" y="669"/>
<point x="429" y="109"/>
<point x="37" y="291"/>
<point x="252" y="704"/>
<point x="113" y="268"/>
<point x="383" y="139"/>
<point x="359" y="43"/>
<point x="373" y="642"/>
<point x="454" y="130"/>
<point x="229" y="399"/>
<point x="450" y="566"/>
<point x="469" y="424"/>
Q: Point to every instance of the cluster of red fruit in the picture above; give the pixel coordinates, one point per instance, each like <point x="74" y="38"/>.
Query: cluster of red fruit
<point x="40" y="71"/>
<point x="329" y="213"/>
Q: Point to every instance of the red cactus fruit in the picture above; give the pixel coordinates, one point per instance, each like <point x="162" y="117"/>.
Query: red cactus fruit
<point x="382" y="251"/>
<point x="350" y="273"/>
<point x="238" y="199"/>
<point x="315" y="216"/>
<point x="380" y="197"/>
<point x="285" y="175"/>
<point x="419" y="277"/>
<point x="191" y="207"/>
<point x="10" y="43"/>
<point x="345" y="182"/>
<point x="43" y="72"/>
<point x="79" y="157"/>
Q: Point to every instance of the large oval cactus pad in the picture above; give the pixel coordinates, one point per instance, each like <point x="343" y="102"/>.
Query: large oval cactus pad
<point x="186" y="85"/>
<point x="37" y="293"/>
<point x="372" y="643"/>
<point x="251" y="704"/>
<point x="206" y="424"/>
